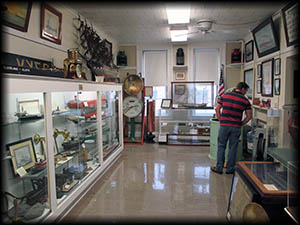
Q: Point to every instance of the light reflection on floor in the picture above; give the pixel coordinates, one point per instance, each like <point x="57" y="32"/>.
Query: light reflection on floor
<point x="154" y="181"/>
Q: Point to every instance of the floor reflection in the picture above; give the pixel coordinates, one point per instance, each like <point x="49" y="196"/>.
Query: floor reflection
<point x="150" y="181"/>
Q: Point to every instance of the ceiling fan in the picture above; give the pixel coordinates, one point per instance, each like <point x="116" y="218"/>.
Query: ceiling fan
<point x="205" y="26"/>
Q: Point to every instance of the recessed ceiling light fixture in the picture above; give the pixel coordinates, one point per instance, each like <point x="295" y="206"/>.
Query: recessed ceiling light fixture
<point x="179" y="33"/>
<point x="178" y="14"/>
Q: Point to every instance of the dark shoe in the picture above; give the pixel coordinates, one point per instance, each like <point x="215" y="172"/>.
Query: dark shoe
<point x="214" y="169"/>
<point x="229" y="172"/>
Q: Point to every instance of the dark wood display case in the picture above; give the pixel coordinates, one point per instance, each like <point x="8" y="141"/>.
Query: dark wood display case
<point x="262" y="182"/>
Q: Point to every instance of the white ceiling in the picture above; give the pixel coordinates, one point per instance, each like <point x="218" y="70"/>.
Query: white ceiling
<point x="146" y="22"/>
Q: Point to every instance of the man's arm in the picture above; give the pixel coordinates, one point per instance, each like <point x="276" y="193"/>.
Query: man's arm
<point x="218" y="111"/>
<point x="248" y="117"/>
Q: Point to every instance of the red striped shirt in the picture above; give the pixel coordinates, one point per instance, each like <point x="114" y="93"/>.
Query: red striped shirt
<point x="233" y="104"/>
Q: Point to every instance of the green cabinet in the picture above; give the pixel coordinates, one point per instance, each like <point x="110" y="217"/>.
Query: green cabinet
<point x="214" y="130"/>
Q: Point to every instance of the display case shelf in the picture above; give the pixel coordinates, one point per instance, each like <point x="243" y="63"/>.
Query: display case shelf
<point x="53" y="160"/>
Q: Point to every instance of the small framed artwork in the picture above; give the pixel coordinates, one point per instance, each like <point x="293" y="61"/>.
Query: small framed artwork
<point x="248" y="78"/>
<point x="179" y="89"/>
<point x="166" y="103"/>
<point x="290" y="16"/>
<point x="51" y="21"/>
<point x="148" y="90"/>
<point x="249" y="51"/>
<point x="277" y="86"/>
<point x="180" y="75"/>
<point x="277" y="64"/>
<point x="267" y="78"/>
<point x="258" y="86"/>
<point x="258" y="70"/>
<point x="22" y="154"/>
<point x="16" y="14"/>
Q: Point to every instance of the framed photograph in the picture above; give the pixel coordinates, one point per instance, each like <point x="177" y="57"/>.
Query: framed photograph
<point x="258" y="86"/>
<point x="267" y="78"/>
<point x="16" y="14"/>
<point x="277" y="86"/>
<point x="22" y="154"/>
<point x="248" y="78"/>
<point x="290" y="19"/>
<point x="249" y="51"/>
<point x="180" y="75"/>
<point x="148" y="90"/>
<point x="265" y="38"/>
<point x="166" y="103"/>
<point x="277" y="64"/>
<point x="258" y="70"/>
<point x="179" y="89"/>
<point x="51" y="21"/>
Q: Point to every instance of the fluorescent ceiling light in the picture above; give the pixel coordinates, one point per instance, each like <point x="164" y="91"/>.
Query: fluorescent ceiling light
<point x="178" y="14"/>
<point x="179" y="35"/>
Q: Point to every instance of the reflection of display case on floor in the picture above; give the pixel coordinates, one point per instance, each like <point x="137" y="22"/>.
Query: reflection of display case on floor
<point x="264" y="183"/>
<point x="184" y="126"/>
<point x="52" y="160"/>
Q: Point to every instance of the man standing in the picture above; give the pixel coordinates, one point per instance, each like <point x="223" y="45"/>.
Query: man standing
<point x="233" y="104"/>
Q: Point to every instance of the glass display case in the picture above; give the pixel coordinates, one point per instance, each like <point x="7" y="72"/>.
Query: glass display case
<point x="264" y="183"/>
<point x="54" y="146"/>
<point x="292" y="207"/>
<point x="184" y="126"/>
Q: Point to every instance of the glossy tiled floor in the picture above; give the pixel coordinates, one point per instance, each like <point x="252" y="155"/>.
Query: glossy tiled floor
<point x="157" y="182"/>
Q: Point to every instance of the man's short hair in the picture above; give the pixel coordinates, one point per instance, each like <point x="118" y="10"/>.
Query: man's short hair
<point x="241" y="85"/>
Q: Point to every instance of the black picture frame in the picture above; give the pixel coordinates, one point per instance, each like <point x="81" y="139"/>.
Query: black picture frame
<point x="258" y="86"/>
<point x="22" y="154"/>
<point x="17" y="22"/>
<point x="249" y="51"/>
<point x="258" y="70"/>
<point x="277" y="86"/>
<point x="248" y="78"/>
<point x="166" y="103"/>
<point x="267" y="78"/>
<point x="277" y="65"/>
<point x="290" y="19"/>
<point x="265" y="38"/>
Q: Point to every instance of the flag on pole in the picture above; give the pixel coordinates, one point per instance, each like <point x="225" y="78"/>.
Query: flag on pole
<point x="221" y="83"/>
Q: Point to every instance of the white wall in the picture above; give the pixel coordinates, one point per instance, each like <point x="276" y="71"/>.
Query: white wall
<point x="30" y="44"/>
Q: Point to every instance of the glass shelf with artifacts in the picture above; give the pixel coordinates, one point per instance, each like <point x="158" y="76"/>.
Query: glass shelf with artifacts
<point x="184" y="126"/>
<point x="53" y="143"/>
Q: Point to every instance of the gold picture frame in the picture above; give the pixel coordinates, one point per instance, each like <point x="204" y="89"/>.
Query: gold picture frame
<point x="180" y="75"/>
<point x="22" y="154"/>
<point x="51" y="21"/>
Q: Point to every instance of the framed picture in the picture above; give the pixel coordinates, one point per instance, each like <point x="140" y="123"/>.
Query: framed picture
<point x="51" y="21"/>
<point x="16" y="14"/>
<point x="180" y="75"/>
<point x="166" y="103"/>
<point x="290" y="19"/>
<point x="248" y="78"/>
<point x="277" y="86"/>
<point x="258" y="86"/>
<point x="277" y="64"/>
<point x="22" y="154"/>
<point x="148" y="90"/>
<point x="179" y="89"/>
<point x="267" y="78"/>
<point x="258" y="70"/>
<point x="249" y="51"/>
<point x="265" y="38"/>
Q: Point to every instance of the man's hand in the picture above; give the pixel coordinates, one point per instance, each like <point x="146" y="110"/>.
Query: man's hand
<point x="248" y="117"/>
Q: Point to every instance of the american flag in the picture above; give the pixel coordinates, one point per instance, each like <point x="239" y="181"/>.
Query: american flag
<point x="221" y="83"/>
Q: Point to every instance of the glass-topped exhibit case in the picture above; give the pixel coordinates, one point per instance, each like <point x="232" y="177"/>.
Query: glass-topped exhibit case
<point x="184" y="126"/>
<point x="265" y="184"/>
<point x="54" y="146"/>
